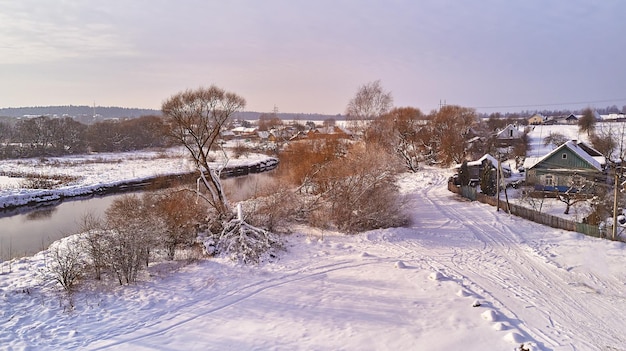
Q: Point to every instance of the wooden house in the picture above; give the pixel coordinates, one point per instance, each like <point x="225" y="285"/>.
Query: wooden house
<point x="567" y="168"/>
<point x="571" y="119"/>
<point x="509" y="136"/>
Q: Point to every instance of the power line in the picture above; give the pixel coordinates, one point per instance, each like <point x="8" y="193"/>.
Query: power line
<point x="552" y="104"/>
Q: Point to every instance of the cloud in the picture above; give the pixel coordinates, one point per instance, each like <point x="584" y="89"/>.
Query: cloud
<point x="35" y="32"/>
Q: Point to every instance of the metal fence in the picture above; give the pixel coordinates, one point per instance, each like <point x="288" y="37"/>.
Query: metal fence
<point x="527" y="213"/>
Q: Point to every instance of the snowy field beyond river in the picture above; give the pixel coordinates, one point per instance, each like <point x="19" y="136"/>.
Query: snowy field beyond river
<point x="95" y="172"/>
<point x="413" y="288"/>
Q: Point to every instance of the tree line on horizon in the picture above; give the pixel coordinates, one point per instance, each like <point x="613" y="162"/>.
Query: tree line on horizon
<point x="50" y="137"/>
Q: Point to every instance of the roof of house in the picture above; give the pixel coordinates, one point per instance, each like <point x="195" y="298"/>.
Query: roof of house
<point x="574" y="147"/>
<point x="493" y="160"/>
<point x="505" y="134"/>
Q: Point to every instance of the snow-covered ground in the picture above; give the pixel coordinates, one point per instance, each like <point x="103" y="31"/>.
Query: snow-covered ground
<point x="410" y="288"/>
<point x="97" y="171"/>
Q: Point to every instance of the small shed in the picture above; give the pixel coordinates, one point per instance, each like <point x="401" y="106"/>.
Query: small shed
<point x="476" y="167"/>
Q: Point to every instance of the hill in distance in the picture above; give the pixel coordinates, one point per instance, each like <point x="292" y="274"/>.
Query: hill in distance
<point x="89" y="114"/>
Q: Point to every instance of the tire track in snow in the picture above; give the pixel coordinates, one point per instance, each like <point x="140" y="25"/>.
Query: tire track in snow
<point x="508" y="269"/>
<point x="196" y="309"/>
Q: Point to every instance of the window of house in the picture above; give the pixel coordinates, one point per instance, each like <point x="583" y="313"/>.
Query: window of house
<point x="549" y="180"/>
<point x="564" y="156"/>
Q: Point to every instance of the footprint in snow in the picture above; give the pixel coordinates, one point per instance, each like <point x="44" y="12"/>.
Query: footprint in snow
<point x="490" y="315"/>
<point x="463" y="293"/>
<point x="435" y="276"/>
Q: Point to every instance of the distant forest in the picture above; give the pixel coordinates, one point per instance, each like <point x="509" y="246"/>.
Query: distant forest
<point x="74" y="111"/>
<point x="85" y="114"/>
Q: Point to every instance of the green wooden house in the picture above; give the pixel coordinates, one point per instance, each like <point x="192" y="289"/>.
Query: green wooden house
<point x="567" y="168"/>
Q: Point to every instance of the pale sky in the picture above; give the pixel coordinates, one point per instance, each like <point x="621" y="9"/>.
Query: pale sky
<point x="312" y="56"/>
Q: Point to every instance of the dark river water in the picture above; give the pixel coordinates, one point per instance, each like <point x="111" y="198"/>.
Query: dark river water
<point x="33" y="230"/>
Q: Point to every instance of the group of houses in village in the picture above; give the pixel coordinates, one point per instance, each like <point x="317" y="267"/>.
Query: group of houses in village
<point x="285" y="132"/>
<point x="539" y="119"/>
<point x="572" y="167"/>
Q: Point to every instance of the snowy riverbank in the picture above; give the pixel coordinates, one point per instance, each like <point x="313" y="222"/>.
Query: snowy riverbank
<point x="97" y="173"/>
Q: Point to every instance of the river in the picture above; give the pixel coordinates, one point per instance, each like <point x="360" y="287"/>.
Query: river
<point x="31" y="230"/>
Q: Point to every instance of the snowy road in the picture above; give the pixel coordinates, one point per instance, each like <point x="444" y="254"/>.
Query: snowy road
<point x="500" y="256"/>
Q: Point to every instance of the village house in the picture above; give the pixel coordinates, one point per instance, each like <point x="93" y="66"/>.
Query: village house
<point x="568" y="168"/>
<point x="508" y="136"/>
<point x="536" y="119"/>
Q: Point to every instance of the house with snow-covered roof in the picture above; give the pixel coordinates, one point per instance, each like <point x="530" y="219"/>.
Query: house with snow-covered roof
<point x="475" y="168"/>
<point x="509" y="136"/>
<point x="567" y="168"/>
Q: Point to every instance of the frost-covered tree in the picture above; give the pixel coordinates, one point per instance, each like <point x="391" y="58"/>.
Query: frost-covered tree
<point x="94" y="243"/>
<point x="65" y="265"/>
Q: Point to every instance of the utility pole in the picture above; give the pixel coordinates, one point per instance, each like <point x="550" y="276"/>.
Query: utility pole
<point x="615" y="190"/>
<point x="442" y="103"/>
<point x="498" y="184"/>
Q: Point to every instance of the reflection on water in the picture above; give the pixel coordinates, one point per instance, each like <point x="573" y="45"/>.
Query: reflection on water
<point x="28" y="233"/>
<point x="43" y="213"/>
<point x="24" y="233"/>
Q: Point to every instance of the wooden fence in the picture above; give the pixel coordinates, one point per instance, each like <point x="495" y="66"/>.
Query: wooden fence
<point x="527" y="213"/>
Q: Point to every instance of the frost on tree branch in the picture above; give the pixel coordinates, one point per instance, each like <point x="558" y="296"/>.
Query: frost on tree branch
<point x="245" y="243"/>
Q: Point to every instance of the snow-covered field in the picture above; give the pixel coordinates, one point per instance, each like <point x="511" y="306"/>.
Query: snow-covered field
<point x="408" y="288"/>
<point x="97" y="171"/>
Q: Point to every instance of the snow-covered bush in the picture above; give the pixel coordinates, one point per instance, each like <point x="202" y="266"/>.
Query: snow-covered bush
<point x="245" y="243"/>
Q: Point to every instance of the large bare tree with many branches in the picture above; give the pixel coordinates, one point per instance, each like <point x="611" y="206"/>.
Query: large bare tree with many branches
<point x="195" y="119"/>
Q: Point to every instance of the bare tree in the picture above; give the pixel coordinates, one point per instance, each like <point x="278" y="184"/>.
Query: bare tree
<point x="555" y="139"/>
<point x="132" y="228"/>
<point x="94" y="243"/>
<point x="195" y="119"/>
<point x="587" y="123"/>
<point x="395" y="132"/>
<point x="359" y="191"/>
<point x="65" y="265"/>
<point x="370" y="101"/>
<point x="447" y="131"/>
<point x="267" y="121"/>
<point x="180" y="214"/>
<point x="605" y="141"/>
